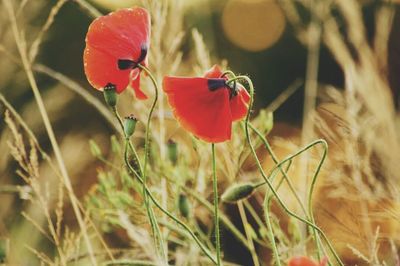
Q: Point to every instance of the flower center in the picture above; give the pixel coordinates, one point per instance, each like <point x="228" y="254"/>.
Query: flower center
<point x="218" y="83"/>
<point x="124" y="64"/>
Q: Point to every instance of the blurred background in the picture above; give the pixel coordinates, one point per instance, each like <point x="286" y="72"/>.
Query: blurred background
<point x="265" y="39"/>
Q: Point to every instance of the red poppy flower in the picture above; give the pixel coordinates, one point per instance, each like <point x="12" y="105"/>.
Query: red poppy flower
<point x="115" y="45"/>
<point x="207" y="106"/>
<point x="304" y="261"/>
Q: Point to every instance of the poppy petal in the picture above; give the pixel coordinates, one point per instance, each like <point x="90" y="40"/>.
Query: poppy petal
<point x="199" y="110"/>
<point x="120" y="35"/>
<point x="101" y="69"/>
<point x="301" y="261"/>
<point x="239" y="104"/>
<point x="135" y="84"/>
<point x="214" y="72"/>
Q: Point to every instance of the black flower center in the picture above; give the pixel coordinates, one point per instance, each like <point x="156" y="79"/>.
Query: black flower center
<point x="124" y="64"/>
<point x="218" y="83"/>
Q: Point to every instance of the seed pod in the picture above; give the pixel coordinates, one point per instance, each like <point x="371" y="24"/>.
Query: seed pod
<point x="172" y="151"/>
<point x="237" y="192"/>
<point x="129" y="126"/>
<point x="110" y="95"/>
<point x="184" y="206"/>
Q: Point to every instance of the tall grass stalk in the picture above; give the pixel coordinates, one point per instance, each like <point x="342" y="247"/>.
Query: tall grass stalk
<point x="21" y="45"/>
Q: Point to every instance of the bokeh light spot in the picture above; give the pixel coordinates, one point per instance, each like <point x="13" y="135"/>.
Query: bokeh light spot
<point x="253" y="25"/>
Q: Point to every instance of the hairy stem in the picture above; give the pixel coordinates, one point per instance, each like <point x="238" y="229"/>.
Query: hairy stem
<point x="166" y="212"/>
<point x="216" y="209"/>
<point x="268" y="182"/>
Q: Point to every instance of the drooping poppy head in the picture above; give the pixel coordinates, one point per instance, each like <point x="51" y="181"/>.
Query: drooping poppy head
<point x="115" y="44"/>
<point x="207" y="106"/>
<point x="304" y="261"/>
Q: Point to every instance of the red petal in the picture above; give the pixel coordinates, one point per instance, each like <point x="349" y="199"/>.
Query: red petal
<point x="135" y="83"/>
<point x="324" y="261"/>
<point x="100" y="69"/>
<point x="204" y="113"/>
<point x="239" y="104"/>
<point x="301" y="261"/>
<point x="214" y="72"/>
<point x="119" y="35"/>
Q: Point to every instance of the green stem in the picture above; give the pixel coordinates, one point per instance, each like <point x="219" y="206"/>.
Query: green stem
<point x="166" y="212"/>
<point x="267" y="204"/>
<point x="216" y="209"/>
<point x="146" y="154"/>
<point x="147" y="137"/>
<point x="283" y="205"/>
<point x="139" y="171"/>
<point x="275" y="159"/>
<point x="309" y="215"/>
<point x="121" y="123"/>
<point x="271" y="231"/>
<point x="223" y="218"/>
<point x="310" y="193"/>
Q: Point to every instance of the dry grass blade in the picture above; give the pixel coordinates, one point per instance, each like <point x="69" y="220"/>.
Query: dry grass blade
<point x="289" y="91"/>
<point x="37" y="226"/>
<point x="90" y="9"/>
<point x="21" y="45"/>
<point x="75" y="87"/>
<point x="41" y="256"/>
<point x="38" y="40"/>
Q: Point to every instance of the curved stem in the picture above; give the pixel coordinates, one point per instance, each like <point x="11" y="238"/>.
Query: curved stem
<point x="267" y="204"/>
<point x="275" y="251"/>
<point x="139" y="172"/>
<point x="309" y="215"/>
<point x="146" y="154"/>
<point x="165" y="211"/>
<point x="275" y="159"/>
<point x="310" y="193"/>
<point x="216" y="209"/>
<point x="283" y="205"/>
<point x="228" y="72"/>
<point x="147" y="137"/>
<point x="121" y="123"/>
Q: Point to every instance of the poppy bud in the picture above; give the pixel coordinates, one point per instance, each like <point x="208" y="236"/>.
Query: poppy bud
<point x="110" y="95"/>
<point x="184" y="206"/>
<point x="237" y="192"/>
<point x="130" y="124"/>
<point x="172" y="151"/>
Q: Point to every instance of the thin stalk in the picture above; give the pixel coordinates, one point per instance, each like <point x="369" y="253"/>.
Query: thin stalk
<point x="271" y="235"/>
<point x="133" y="150"/>
<point x="283" y="205"/>
<point x="275" y="159"/>
<point x="309" y="215"/>
<point x="216" y="209"/>
<point x="21" y="45"/>
<point x="267" y="204"/>
<point x="248" y="235"/>
<point x="166" y="212"/>
<point x="224" y="219"/>
<point x="146" y="154"/>
<point x="150" y="213"/>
